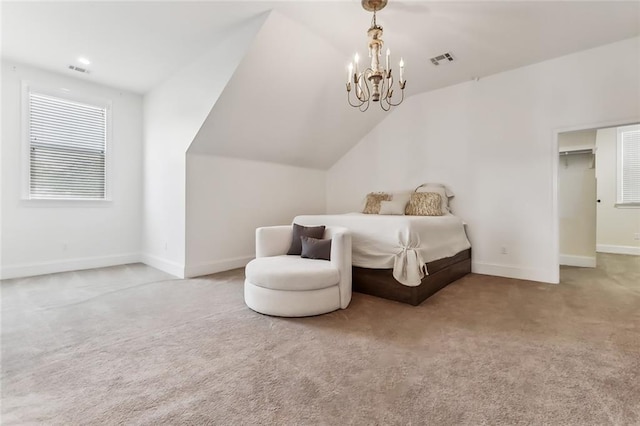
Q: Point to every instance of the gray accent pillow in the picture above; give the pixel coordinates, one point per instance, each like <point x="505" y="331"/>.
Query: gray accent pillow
<point x="313" y="248"/>
<point x="307" y="231"/>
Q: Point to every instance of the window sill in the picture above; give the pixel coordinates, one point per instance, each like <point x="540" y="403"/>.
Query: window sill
<point x="627" y="205"/>
<point x="67" y="203"/>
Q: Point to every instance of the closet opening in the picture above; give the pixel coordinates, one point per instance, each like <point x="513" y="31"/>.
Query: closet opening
<point x="599" y="196"/>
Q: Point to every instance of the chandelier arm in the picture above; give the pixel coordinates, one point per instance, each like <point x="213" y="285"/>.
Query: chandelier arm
<point x="357" y="105"/>
<point x="362" y="80"/>
<point x="385" y="85"/>
<point x="366" y="83"/>
<point x="384" y="104"/>
<point x="360" y="98"/>
<point x="401" y="96"/>
<point x="390" y="82"/>
<point x="384" y="100"/>
<point x="351" y="103"/>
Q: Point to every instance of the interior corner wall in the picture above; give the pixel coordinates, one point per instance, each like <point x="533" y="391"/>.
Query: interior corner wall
<point x="494" y="142"/>
<point x="47" y="236"/>
<point x="228" y="198"/>
<point x="173" y="115"/>
<point x="617" y="227"/>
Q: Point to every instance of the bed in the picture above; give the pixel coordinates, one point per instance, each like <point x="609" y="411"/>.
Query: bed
<point x="402" y="258"/>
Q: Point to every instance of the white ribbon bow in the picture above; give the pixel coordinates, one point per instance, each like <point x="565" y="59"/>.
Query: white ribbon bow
<point x="409" y="268"/>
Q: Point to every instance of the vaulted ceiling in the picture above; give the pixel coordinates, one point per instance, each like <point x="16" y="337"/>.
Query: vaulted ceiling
<point x="286" y="102"/>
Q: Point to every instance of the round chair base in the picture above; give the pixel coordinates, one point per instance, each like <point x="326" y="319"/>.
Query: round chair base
<point x="282" y="303"/>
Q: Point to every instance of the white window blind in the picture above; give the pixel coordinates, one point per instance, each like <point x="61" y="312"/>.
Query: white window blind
<point x="629" y="165"/>
<point x="67" y="144"/>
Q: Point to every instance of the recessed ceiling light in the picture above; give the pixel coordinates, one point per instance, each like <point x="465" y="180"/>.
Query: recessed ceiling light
<point x="84" y="61"/>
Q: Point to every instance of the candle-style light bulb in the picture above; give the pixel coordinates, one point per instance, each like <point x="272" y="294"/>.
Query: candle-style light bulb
<point x="349" y="73"/>
<point x="401" y="69"/>
<point x="388" y="54"/>
<point x="356" y="58"/>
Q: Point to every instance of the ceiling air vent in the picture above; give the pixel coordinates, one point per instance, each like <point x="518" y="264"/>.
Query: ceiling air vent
<point x="445" y="57"/>
<point x="79" y="69"/>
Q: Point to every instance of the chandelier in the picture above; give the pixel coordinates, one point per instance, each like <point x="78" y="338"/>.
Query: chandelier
<point x="374" y="83"/>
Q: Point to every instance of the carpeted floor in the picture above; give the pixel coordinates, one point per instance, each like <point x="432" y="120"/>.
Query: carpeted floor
<point x="130" y="345"/>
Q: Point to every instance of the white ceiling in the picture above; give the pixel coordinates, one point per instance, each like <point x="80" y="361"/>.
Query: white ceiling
<point x="294" y="113"/>
<point x="286" y="101"/>
<point x="135" y="45"/>
<point x="132" y="45"/>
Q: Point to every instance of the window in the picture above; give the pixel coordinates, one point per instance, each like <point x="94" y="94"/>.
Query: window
<point x="629" y="165"/>
<point x="67" y="148"/>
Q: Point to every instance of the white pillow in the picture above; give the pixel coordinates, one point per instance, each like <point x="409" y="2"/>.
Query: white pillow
<point x="395" y="207"/>
<point x="401" y="197"/>
<point x="424" y="186"/>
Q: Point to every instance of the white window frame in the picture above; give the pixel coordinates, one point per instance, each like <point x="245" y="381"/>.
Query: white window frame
<point x="619" y="169"/>
<point x="73" y="96"/>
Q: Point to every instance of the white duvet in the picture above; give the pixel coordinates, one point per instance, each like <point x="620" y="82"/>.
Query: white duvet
<point x="404" y="243"/>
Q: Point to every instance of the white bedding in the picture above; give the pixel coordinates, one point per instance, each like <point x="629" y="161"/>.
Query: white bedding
<point x="404" y="243"/>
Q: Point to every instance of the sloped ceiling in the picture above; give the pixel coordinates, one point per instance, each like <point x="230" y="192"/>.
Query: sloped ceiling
<point x="285" y="103"/>
<point x="132" y="45"/>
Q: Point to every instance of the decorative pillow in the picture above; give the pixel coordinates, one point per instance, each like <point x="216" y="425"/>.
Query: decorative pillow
<point x="401" y="196"/>
<point x="425" y="204"/>
<point x="314" y="248"/>
<point x="393" y="207"/>
<point x="373" y="202"/>
<point x="438" y="188"/>
<point x="300" y="231"/>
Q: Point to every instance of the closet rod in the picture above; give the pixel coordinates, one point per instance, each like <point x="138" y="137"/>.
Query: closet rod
<point x="579" y="151"/>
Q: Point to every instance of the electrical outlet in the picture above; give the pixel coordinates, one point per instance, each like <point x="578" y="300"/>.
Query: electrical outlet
<point x="636" y="236"/>
<point x="65" y="246"/>
<point x="166" y="246"/>
<point x="503" y="250"/>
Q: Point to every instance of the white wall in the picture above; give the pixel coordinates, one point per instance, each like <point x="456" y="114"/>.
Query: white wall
<point x="173" y="115"/>
<point x="494" y="142"/>
<point x="616" y="226"/>
<point x="227" y="199"/>
<point x="577" y="140"/>
<point x="51" y="236"/>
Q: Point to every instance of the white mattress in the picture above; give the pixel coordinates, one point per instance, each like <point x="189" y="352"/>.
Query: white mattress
<point x="404" y="243"/>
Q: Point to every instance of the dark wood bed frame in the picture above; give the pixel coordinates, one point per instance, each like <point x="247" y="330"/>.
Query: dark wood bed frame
<point x="380" y="282"/>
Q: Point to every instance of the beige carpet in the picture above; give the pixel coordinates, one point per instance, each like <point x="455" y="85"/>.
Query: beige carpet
<point x="129" y="345"/>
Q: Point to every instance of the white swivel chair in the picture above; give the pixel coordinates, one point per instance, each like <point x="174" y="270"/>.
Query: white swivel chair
<point x="291" y="286"/>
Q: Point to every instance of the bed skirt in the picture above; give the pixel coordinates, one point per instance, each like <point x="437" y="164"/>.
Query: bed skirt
<point x="380" y="282"/>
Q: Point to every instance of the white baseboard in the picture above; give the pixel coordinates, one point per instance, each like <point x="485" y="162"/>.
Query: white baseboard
<point x="607" y="248"/>
<point x="581" y="261"/>
<point x="200" y="269"/>
<point x="41" y="268"/>
<point x="514" y="271"/>
<point x="168" y="266"/>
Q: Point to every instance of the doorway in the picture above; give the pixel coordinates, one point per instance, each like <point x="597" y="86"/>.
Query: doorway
<point x="598" y="193"/>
